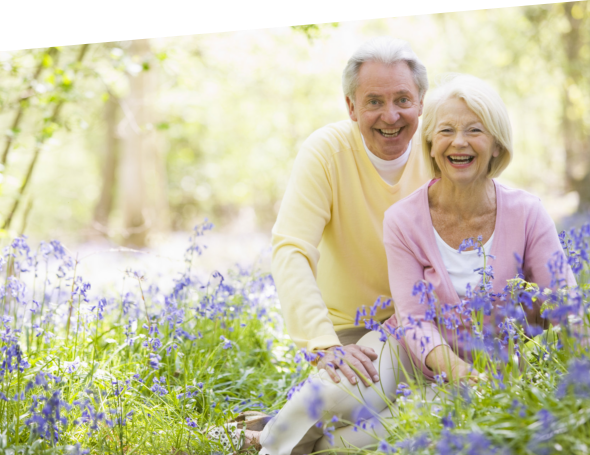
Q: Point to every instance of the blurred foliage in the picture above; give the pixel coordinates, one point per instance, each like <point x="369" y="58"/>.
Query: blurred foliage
<point x="232" y="110"/>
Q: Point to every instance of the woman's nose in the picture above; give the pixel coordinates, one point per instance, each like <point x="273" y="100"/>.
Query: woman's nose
<point x="460" y="141"/>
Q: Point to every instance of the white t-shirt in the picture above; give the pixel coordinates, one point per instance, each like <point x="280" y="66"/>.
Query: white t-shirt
<point x="460" y="266"/>
<point x="389" y="170"/>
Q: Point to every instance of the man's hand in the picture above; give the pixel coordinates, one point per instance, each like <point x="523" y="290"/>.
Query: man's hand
<point x="359" y="357"/>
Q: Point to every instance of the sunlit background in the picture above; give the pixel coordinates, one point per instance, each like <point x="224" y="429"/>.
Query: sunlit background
<point x="134" y="143"/>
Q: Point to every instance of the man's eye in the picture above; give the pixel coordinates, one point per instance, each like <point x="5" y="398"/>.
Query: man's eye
<point x="373" y="102"/>
<point x="404" y="100"/>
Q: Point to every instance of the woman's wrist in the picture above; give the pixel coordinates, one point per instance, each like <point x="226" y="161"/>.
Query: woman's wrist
<point x="440" y="358"/>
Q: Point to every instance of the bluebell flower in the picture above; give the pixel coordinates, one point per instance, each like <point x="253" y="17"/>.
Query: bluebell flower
<point x="154" y="361"/>
<point x="316" y="403"/>
<point x="576" y="380"/>
<point x="440" y="378"/>
<point x="419" y="442"/>
<point x="385" y="447"/>
<point x="447" y="421"/>
<point x="227" y="344"/>
<point x="403" y="389"/>
<point x="191" y="423"/>
<point x="71" y="367"/>
<point x="159" y="389"/>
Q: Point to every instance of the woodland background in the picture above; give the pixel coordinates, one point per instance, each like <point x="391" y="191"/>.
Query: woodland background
<point x="131" y="142"/>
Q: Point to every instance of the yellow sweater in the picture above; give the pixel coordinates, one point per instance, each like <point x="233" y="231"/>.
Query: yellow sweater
<point x="328" y="255"/>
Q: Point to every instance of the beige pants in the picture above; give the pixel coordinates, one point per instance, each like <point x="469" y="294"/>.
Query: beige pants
<point x="293" y="431"/>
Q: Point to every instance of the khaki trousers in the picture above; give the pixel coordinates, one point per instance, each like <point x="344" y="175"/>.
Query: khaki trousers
<point x="293" y="431"/>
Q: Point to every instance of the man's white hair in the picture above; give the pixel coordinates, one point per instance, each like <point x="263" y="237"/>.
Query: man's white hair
<point x="385" y="50"/>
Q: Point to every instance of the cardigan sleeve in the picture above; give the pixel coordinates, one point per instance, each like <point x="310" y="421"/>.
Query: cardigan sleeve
<point x="404" y="269"/>
<point x="543" y="246"/>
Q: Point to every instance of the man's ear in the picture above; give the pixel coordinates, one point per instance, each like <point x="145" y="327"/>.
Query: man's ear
<point x="351" y="110"/>
<point x="421" y="106"/>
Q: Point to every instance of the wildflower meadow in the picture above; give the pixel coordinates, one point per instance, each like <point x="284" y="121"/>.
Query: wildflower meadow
<point x="149" y="364"/>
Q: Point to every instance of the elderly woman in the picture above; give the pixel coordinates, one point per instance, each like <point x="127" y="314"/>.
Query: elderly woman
<point x="467" y="138"/>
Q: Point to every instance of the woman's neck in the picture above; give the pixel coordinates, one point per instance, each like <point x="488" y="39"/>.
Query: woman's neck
<point x="463" y="201"/>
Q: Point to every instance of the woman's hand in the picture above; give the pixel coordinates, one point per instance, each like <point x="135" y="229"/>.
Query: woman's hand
<point x="443" y="360"/>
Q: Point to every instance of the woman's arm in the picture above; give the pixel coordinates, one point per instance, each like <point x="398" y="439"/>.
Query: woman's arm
<point x="404" y="269"/>
<point x="443" y="360"/>
<point x="542" y="247"/>
<point x="542" y="243"/>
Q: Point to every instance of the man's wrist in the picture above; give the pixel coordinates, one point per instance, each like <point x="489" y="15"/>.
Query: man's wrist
<point x="320" y="351"/>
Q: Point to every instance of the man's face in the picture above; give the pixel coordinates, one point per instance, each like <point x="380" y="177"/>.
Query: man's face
<point x="386" y="106"/>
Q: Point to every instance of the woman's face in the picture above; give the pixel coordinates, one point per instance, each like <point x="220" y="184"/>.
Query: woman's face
<point x="461" y="146"/>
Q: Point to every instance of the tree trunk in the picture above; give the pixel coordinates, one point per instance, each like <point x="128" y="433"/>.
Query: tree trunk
<point x="576" y="132"/>
<point x="110" y="164"/>
<point x="142" y="172"/>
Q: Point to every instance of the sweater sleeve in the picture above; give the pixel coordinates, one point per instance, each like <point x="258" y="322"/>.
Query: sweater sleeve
<point x="305" y="211"/>
<point x="543" y="246"/>
<point x="404" y="268"/>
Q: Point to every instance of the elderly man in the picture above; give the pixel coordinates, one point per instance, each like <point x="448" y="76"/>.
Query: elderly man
<point x="328" y="257"/>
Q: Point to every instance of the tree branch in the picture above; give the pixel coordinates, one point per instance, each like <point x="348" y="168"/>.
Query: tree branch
<point x="38" y="148"/>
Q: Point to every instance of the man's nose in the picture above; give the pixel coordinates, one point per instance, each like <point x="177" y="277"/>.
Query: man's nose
<point x="391" y="114"/>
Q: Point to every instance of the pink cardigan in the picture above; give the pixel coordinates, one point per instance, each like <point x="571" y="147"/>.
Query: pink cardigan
<point x="522" y="226"/>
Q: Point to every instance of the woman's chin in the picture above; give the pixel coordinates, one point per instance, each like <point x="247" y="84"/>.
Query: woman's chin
<point x="463" y="177"/>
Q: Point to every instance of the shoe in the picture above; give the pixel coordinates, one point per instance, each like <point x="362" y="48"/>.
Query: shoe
<point x="232" y="436"/>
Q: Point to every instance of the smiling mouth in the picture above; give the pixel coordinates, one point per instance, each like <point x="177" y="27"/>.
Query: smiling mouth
<point x="393" y="132"/>
<point x="460" y="159"/>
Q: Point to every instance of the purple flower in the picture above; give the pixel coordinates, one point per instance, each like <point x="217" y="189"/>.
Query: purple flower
<point x="71" y="367"/>
<point x="227" y="344"/>
<point x="577" y="380"/>
<point x="440" y="378"/>
<point x="159" y="389"/>
<point x="316" y="403"/>
<point x="403" y="389"/>
<point x="414" y="444"/>
<point x="385" y="447"/>
<point x="191" y="423"/>
<point x="447" y="421"/>
<point x="154" y="361"/>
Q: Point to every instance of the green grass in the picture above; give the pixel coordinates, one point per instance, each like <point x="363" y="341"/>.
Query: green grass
<point x="137" y="406"/>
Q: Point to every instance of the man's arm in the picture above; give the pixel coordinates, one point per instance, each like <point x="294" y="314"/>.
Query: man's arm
<point x="305" y="211"/>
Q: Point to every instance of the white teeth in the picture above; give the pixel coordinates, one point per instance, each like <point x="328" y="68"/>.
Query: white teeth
<point x="461" y="159"/>
<point x="390" y="132"/>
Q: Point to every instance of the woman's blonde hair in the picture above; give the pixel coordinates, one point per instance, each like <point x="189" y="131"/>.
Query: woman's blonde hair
<point x="484" y="101"/>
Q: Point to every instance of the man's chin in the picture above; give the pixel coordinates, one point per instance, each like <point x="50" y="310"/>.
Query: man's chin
<point x="396" y="150"/>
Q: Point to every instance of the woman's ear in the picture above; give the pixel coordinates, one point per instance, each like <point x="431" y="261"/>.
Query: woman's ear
<point x="497" y="149"/>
